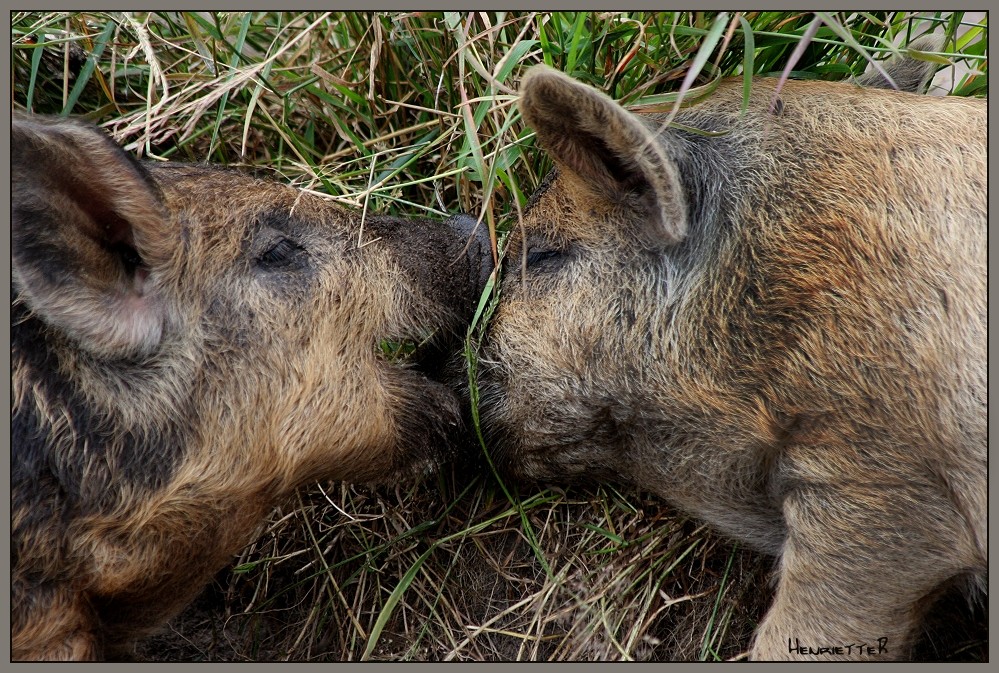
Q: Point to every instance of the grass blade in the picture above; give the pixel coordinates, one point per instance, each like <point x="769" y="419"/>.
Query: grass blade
<point x="88" y="67"/>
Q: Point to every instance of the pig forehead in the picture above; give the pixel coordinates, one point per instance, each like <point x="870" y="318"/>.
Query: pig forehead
<point x="214" y="198"/>
<point x="216" y="189"/>
<point x="560" y="212"/>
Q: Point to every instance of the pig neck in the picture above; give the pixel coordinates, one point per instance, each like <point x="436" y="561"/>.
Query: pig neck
<point x="157" y="510"/>
<point x="86" y="428"/>
<point x="74" y="405"/>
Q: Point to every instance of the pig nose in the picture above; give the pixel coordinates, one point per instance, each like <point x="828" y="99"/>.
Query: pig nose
<point x="479" y="250"/>
<point x="465" y="224"/>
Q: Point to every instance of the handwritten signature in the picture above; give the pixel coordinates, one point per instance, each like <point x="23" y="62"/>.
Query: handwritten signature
<point x="860" y="649"/>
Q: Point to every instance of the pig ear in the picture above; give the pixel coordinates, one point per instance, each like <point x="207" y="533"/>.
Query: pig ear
<point x="606" y="149"/>
<point x="85" y="217"/>
<point x="907" y="73"/>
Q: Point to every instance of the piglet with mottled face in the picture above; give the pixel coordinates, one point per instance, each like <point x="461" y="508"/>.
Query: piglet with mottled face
<point x="778" y="325"/>
<point x="189" y="345"/>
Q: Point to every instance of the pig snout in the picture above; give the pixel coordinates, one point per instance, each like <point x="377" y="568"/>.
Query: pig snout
<point x="478" y="249"/>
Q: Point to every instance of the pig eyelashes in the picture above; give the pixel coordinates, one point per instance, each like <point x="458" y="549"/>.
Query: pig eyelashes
<point x="285" y="254"/>
<point x="545" y="258"/>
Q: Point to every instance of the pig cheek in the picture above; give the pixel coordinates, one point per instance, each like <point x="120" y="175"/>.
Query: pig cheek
<point x="335" y="423"/>
<point x="517" y="398"/>
<point x="541" y="364"/>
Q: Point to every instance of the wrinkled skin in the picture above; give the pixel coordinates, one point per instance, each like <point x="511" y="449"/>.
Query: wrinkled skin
<point x="190" y="345"/>
<point x="781" y="330"/>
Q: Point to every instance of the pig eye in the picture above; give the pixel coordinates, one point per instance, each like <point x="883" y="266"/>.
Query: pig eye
<point x="284" y="254"/>
<point x="544" y="259"/>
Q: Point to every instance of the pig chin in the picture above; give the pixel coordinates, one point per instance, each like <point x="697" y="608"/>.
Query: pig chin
<point x="429" y="426"/>
<point x="553" y="465"/>
<point x="533" y="457"/>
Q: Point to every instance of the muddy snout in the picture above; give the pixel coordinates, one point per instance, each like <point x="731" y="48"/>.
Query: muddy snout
<point x="447" y="264"/>
<point x="478" y="249"/>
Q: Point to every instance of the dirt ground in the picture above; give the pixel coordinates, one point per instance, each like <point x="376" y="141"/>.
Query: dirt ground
<point x="226" y="624"/>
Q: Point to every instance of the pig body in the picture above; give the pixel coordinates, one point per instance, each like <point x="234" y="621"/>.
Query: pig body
<point x="780" y="329"/>
<point x="190" y="345"/>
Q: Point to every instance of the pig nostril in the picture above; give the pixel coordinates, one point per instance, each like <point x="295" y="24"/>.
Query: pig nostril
<point x="465" y="224"/>
<point x="478" y="247"/>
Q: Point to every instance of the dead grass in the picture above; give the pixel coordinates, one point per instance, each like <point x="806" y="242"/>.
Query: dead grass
<point x="414" y="113"/>
<point x="629" y="579"/>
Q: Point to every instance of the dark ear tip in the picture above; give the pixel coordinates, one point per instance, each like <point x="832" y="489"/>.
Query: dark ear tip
<point x="44" y="128"/>
<point x="546" y="93"/>
<point x="541" y="79"/>
<point x="928" y="42"/>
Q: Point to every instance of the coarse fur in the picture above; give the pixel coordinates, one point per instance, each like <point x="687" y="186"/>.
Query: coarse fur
<point x="190" y="345"/>
<point x="780" y="329"/>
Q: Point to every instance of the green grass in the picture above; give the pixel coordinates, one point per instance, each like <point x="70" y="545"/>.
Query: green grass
<point x="414" y="113"/>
